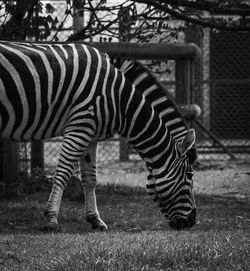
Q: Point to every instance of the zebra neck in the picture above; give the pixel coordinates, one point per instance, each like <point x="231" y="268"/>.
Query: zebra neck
<point x="156" y="94"/>
<point x="146" y="132"/>
<point x="158" y="151"/>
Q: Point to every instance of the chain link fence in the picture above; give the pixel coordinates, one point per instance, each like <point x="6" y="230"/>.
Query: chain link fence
<point x="225" y="94"/>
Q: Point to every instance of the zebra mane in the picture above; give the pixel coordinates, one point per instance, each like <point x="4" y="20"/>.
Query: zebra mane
<point x="159" y="97"/>
<point x="156" y="94"/>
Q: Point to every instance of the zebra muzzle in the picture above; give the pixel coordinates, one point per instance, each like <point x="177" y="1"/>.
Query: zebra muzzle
<point x="180" y="223"/>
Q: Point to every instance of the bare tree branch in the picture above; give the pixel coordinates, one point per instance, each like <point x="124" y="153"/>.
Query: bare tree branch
<point x="126" y="18"/>
<point x="190" y="19"/>
<point x="82" y="33"/>
<point x="214" y="7"/>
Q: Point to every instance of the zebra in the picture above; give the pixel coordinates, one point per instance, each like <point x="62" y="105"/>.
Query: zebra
<point x="158" y="96"/>
<point x="74" y="91"/>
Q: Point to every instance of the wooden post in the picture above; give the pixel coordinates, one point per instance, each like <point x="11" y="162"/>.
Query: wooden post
<point x="124" y="29"/>
<point x="124" y="150"/>
<point x="37" y="154"/>
<point x="78" y="17"/>
<point x="10" y="161"/>
<point x="195" y="36"/>
<point x="182" y="81"/>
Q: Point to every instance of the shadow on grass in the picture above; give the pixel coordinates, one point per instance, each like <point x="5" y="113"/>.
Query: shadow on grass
<point x="123" y="209"/>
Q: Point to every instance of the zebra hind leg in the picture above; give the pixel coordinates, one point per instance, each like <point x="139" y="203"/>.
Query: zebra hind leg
<point x="88" y="175"/>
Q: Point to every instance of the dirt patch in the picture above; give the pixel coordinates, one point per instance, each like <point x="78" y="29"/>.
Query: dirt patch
<point x="224" y="179"/>
<point x="230" y="178"/>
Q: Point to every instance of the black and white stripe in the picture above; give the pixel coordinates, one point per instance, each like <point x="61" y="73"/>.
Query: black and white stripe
<point x="163" y="103"/>
<point x="73" y="90"/>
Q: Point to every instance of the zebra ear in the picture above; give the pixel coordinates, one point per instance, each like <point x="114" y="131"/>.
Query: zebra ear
<point x="187" y="143"/>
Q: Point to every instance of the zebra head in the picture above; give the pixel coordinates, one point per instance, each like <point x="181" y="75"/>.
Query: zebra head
<point x="175" y="195"/>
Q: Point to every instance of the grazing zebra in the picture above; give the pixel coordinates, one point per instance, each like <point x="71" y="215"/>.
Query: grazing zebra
<point x="169" y="113"/>
<point x="74" y="91"/>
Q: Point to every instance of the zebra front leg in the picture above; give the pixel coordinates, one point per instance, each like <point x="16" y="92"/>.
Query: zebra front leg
<point x="52" y="208"/>
<point x="150" y="186"/>
<point x="70" y="153"/>
<point x="88" y="175"/>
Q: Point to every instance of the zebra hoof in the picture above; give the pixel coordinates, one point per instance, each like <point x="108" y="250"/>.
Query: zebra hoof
<point x="50" y="227"/>
<point x="97" y="223"/>
<point x="52" y="223"/>
<point x="100" y="226"/>
<point x="53" y="226"/>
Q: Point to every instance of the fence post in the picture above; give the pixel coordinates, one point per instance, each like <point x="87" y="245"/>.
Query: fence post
<point x="78" y="17"/>
<point x="124" y="150"/>
<point x="37" y="154"/>
<point x="10" y="161"/>
<point x="195" y="36"/>
<point x="182" y="81"/>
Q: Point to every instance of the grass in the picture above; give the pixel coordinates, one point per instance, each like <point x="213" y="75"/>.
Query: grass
<point x="115" y="251"/>
<point x="138" y="236"/>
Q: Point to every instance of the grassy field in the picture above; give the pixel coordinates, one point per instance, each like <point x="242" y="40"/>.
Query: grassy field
<point x="138" y="236"/>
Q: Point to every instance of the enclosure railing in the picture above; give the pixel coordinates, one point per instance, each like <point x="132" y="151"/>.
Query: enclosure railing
<point x="184" y="56"/>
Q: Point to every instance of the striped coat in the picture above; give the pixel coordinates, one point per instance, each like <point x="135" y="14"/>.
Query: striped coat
<point x="73" y="90"/>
